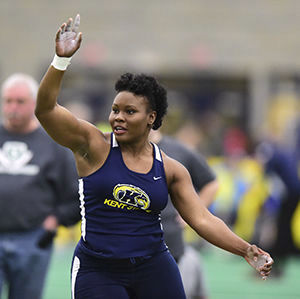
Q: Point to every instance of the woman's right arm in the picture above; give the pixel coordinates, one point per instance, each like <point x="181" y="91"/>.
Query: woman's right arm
<point x="60" y="123"/>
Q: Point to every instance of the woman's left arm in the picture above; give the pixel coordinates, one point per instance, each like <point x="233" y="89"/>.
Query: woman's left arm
<point x="208" y="226"/>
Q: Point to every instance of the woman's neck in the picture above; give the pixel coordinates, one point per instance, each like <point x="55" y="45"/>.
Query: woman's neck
<point x="137" y="148"/>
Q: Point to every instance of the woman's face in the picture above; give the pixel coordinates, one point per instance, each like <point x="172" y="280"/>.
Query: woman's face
<point x="131" y="117"/>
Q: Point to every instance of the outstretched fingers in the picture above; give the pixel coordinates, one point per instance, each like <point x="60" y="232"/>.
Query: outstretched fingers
<point x="60" y="31"/>
<point x="76" y="23"/>
<point x="63" y="28"/>
<point x="79" y="38"/>
<point x="68" y="38"/>
<point x="69" y="25"/>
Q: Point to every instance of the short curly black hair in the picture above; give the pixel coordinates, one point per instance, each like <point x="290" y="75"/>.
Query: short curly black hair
<point x="148" y="87"/>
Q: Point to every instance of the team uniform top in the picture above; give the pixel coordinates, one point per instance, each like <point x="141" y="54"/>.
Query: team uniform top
<point x="121" y="208"/>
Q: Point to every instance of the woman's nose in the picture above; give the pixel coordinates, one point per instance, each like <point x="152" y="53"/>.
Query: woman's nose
<point x="119" y="117"/>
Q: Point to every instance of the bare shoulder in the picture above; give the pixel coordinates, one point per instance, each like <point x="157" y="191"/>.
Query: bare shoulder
<point x="98" y="141"/>
<point x="94" y="134"/>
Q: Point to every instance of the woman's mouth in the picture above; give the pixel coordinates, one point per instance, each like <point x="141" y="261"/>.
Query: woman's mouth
<point x="118" y="130"/>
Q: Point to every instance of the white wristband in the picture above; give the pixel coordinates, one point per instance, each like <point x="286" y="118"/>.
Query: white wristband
<point x="61" y="63"/>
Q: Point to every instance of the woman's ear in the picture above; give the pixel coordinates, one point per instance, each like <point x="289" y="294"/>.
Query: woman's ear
<point x="152" y="117"/>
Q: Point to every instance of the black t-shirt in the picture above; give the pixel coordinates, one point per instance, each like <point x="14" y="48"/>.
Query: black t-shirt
<point x="37" y="178"/>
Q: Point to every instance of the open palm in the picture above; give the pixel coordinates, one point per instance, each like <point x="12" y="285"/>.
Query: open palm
<point x="68" y="39"/>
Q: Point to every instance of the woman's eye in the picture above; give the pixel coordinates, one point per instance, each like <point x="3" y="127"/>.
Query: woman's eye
<point x="130" y="111"/>
<point x="115" y="111"/>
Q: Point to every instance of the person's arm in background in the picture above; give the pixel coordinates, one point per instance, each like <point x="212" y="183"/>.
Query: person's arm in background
<point x="64" y="181"/>
<point x="208" y="193"/>
<point x="68" y="205"/>
<point x="203" y="177"/>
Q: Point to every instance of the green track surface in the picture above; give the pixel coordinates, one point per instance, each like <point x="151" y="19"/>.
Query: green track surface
<point x="228" y="277"/>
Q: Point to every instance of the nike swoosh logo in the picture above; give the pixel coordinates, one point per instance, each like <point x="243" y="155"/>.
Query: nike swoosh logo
<point x="155" y="178"/>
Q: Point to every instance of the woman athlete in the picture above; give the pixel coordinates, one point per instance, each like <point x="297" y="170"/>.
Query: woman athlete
<point x="124" y="184"/>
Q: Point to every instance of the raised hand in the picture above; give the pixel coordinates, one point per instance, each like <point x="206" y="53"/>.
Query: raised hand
<point x="259" y="260"/>
<point x="68" y="39"/>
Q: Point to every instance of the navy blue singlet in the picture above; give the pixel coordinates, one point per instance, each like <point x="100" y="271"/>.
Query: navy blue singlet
<point x="121" y="208"/>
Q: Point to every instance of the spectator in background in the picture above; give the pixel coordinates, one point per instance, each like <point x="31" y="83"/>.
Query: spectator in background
<point x="297" y="145"/>
<point x="38" y="191"/>
<point x="206" y="185"/>
<point x="281" y="163"/>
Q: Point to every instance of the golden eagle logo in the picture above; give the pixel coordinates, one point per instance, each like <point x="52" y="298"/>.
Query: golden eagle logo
<point x="131" y="195"/>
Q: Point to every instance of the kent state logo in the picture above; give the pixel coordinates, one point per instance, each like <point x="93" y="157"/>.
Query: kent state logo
<point x="131" y="195"/>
